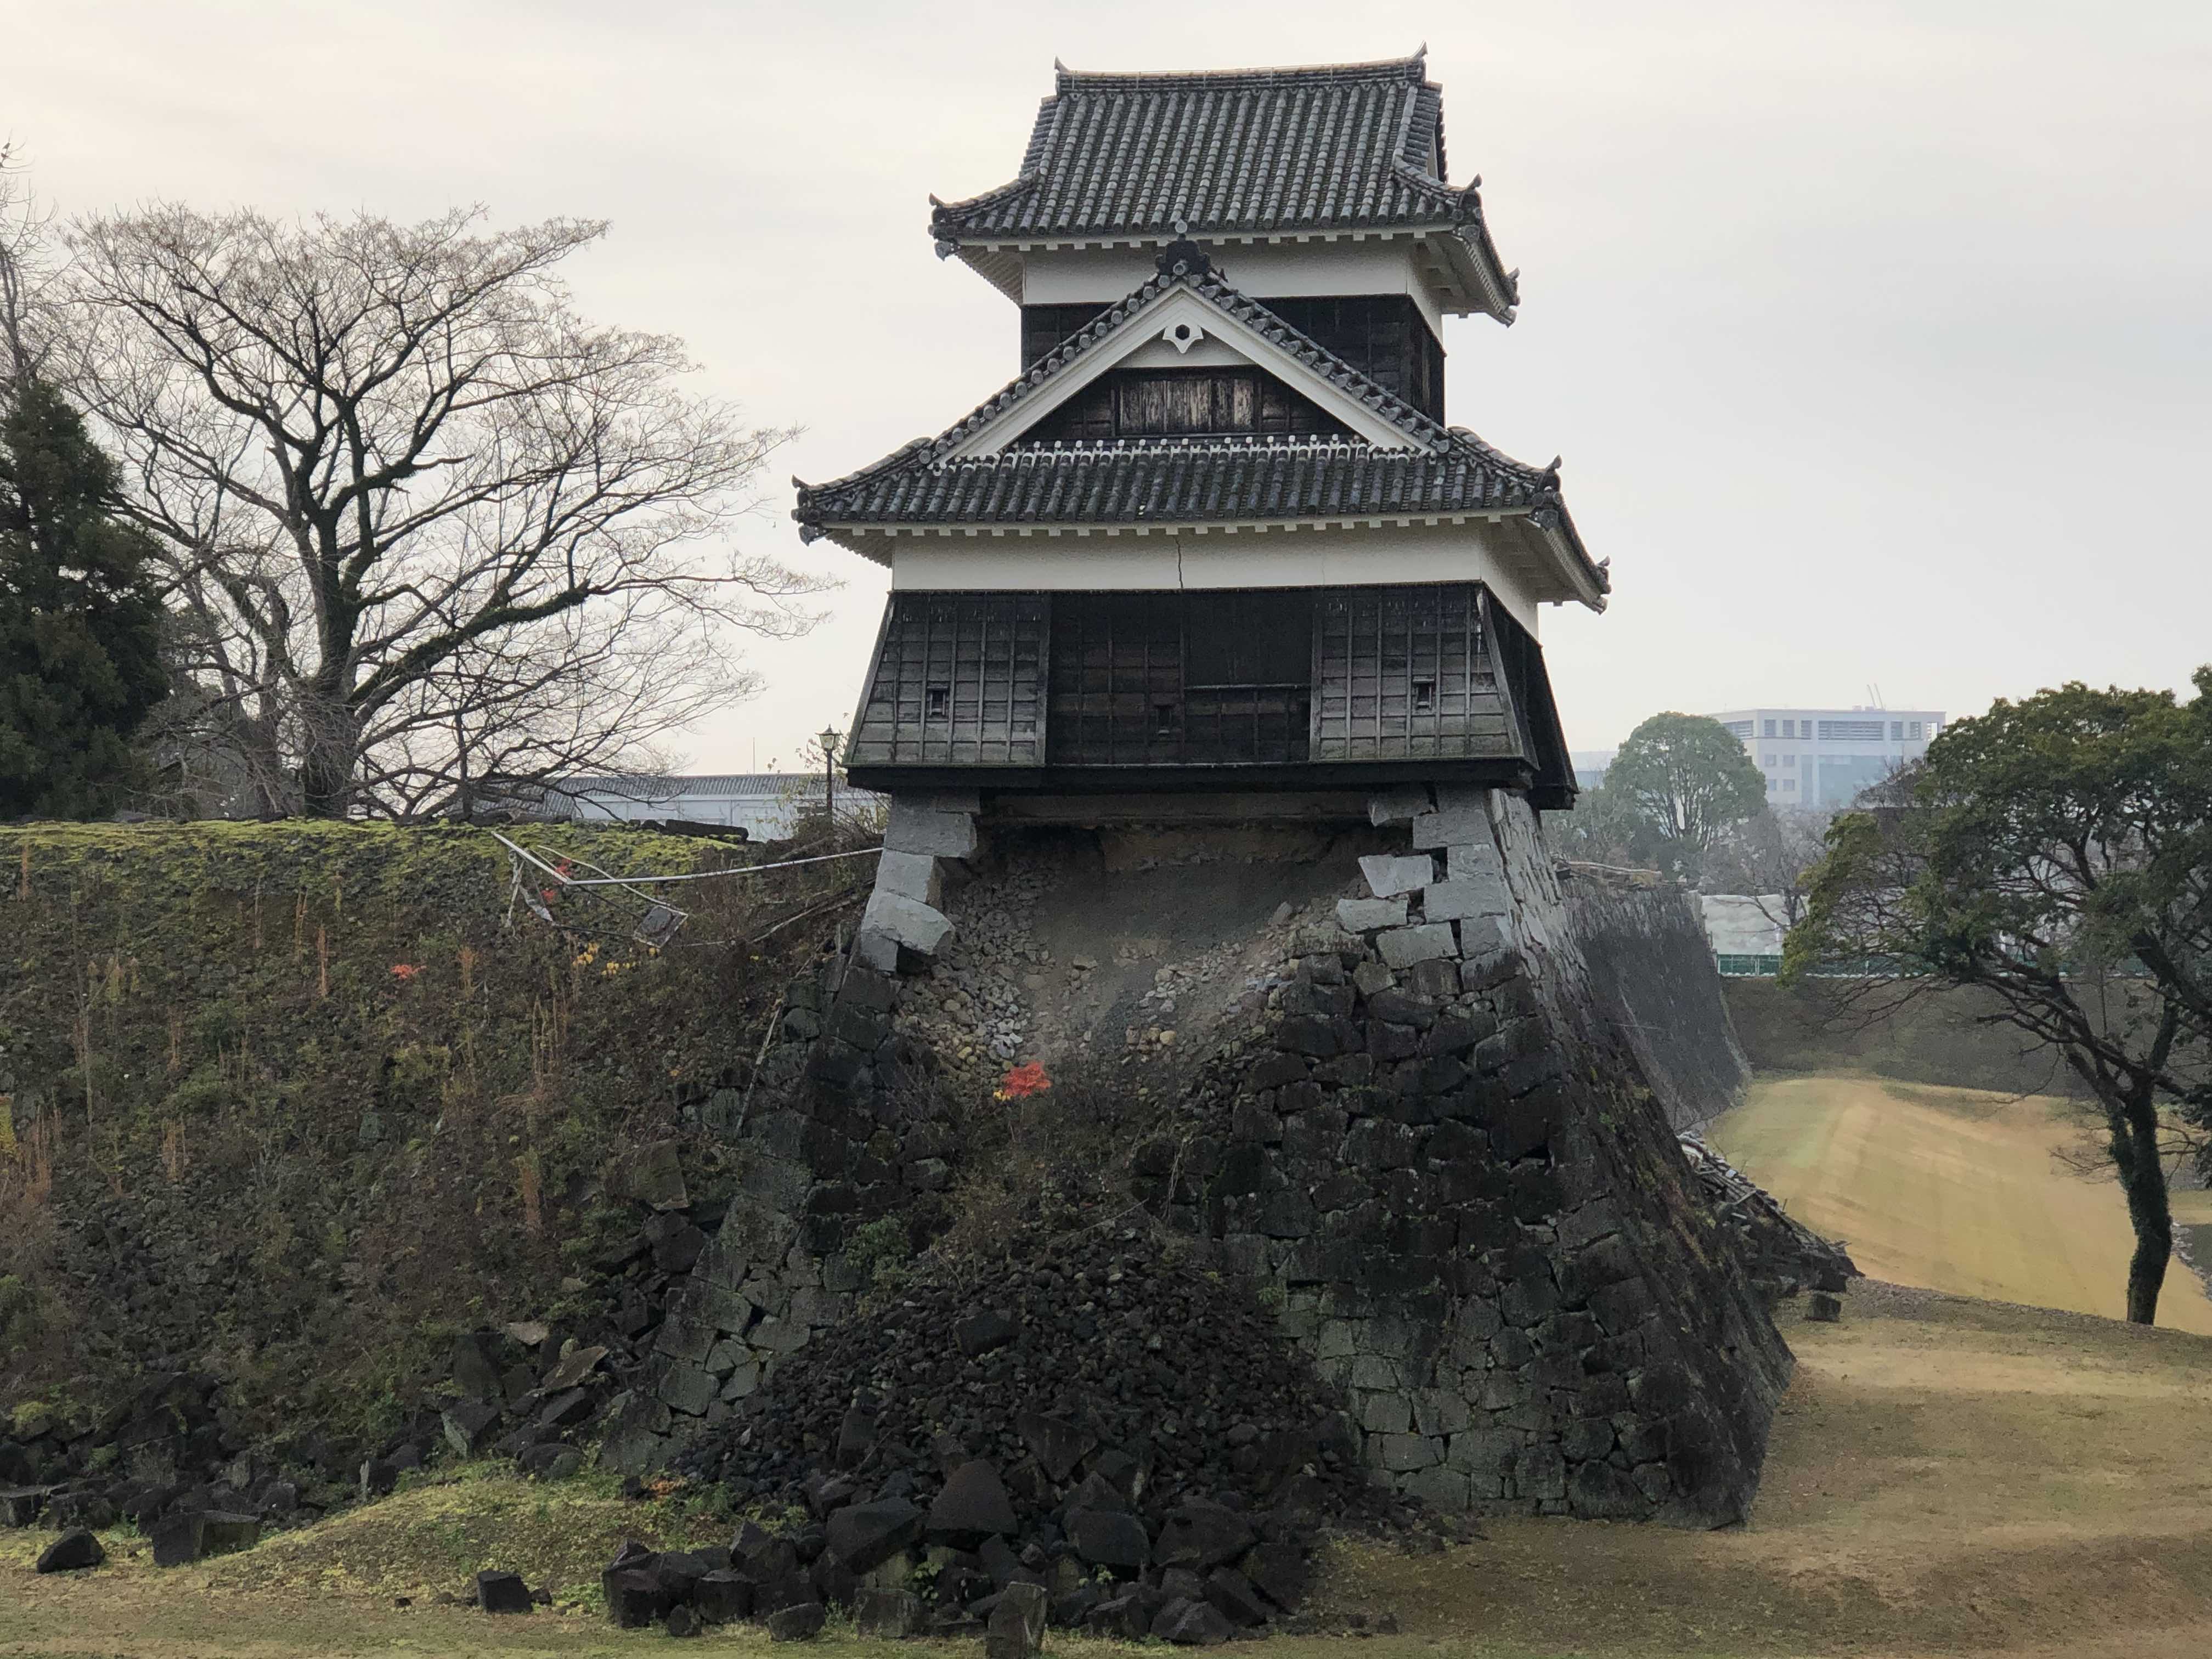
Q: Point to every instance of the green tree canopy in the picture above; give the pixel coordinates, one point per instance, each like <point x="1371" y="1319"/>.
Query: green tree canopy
<point x="2057" y="851"/>
<point x="80" y="622"/>
<point x="1686" y="781"/>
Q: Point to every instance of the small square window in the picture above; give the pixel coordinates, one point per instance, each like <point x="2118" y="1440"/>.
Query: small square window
<point x="1769" y="732"/>
<point x="1424" y="696"/>
<point x="1897" y="731"/>
<point x="1164" y="720"/>
<point x="1789" y="783"/>
<point x="1916" y="731"/>
<point x="938" y="702"/>
<point x="1789" y="728"/>
<point x="1789" y="760"/>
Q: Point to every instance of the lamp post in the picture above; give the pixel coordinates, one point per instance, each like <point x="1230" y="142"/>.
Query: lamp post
<point x="827" y="738"/>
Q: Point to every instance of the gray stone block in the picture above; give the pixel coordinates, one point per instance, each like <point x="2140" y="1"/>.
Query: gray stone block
<point x="1370" y="977"/>
<point x="1481" y="940"/>
<point x="1390" y="874"/>
<point x="1440" y="1488"/>
<point x="1402" y="947"/>
<point x="1403" y="1453"/>
<point x="1472" y="861"/>
<point x="914" y="827"/>
<point x="1459" y="819"/>
<point x="689" y="1389"/>
<point x="1402" y="805"/>
<point x="909" y="875"/>
<point x="1470" y="895"/>
<point x="908" y="924"/>
<point x="1365" y="916"/>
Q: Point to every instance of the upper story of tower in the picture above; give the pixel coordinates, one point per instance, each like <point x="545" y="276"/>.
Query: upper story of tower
<point x="1322" y="191"/>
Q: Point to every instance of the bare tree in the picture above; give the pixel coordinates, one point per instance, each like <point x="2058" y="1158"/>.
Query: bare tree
<point x="1767" y="858"/>
<point x="430" y="532"/>
<point x="27" y="274"/>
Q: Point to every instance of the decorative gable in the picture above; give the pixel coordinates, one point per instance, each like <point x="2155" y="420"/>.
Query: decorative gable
<point x="1179" y="349"/>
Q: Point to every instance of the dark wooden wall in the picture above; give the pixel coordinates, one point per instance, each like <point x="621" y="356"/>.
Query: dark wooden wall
<point x="1182" y="403"/>
<point x="1405" y="672"/>
<point x="1384" y="336"/>
<point x="1252" y="678"/>
<point x="957" y="681"/>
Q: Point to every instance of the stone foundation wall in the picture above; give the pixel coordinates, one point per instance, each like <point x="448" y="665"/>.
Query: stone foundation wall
<point x="1653" y="989"/>
<point x="1391" y="1097"/>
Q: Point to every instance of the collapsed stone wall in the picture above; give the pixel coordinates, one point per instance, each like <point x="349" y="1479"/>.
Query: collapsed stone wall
<point x="1654" y="988"/>
<point x="1391" y="1098"/>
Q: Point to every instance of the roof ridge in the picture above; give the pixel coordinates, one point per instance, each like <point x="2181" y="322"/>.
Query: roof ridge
<point x="1413" y="68"/>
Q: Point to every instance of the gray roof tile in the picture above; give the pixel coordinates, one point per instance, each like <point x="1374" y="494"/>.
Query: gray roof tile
<point x="1356" y="146"/>
<point x="1189" y="480"/>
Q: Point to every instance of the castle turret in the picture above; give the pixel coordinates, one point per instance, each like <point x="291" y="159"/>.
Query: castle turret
<point x="1216" y="534"/>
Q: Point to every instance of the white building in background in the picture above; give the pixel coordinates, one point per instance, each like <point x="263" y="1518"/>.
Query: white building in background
<point x="1824" y="757"/>
<point x="1745" y="933"/>
<point x="764" y="805"/>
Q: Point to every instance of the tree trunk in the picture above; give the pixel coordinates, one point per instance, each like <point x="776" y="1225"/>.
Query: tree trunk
<point x="2134" y="1124"/>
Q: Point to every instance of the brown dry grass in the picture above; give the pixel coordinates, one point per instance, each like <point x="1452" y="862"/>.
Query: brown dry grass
<point x="1956" y="1189"/>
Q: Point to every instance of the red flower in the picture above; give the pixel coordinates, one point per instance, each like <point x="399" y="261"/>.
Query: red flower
<point x="403" y="971"/>
<point x="1023" y="1080"/>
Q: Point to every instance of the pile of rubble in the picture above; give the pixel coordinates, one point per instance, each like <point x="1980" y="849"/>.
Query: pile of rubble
<point x="1780" y="1253"/>
<point x="1095" y="1417"/>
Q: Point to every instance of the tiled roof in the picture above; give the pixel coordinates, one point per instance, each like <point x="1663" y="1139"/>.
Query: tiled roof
<point x="1249" y="152"/>
<point x="1190" y="480"/>
<point x="1185" y="480"/>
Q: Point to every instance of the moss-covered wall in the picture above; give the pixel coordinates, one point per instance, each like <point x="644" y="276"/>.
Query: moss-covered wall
<point x="291" y="1103"/>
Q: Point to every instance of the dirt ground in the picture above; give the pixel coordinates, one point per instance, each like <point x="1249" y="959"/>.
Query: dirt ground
<point x="1946" y="1476"/>
<point x="1956" y="1189"/>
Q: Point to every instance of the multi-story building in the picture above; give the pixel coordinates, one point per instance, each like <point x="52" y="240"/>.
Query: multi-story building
<point x="1217" y="535"/>
<point x="1825" y="757"/>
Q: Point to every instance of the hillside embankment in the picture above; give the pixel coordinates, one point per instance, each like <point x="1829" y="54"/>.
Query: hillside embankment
<point x="294" y="1105"/>
<point x="1946" y="1476"/>
<point x="1950" y="1036"/>
<point x="1965" y="1190"/>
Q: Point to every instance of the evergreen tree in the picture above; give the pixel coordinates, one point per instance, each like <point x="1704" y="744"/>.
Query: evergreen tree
<point x="80" y="620"/>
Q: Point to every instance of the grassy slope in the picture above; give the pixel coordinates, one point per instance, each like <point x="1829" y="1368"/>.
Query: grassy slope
<point x="1953" y="1188"/>
<point x="1947" y="1476"/>
<point x="243" y="1141"/>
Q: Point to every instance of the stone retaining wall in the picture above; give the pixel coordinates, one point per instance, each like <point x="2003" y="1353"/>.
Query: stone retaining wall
<point x="1403" y="1116"/>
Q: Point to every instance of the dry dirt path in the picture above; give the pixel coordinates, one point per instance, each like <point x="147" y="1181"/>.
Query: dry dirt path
<point x="1956" y="1189"/>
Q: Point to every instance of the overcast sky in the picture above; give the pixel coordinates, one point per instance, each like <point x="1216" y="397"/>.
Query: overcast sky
<point x="1874" y="336"/>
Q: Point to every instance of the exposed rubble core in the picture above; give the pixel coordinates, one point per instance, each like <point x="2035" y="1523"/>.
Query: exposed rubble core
<point x="1091" y="1410"/>
<point x="1372" y="1076"/>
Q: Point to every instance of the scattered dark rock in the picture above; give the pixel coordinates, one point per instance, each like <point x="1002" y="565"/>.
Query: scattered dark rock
<point x="723" y="1597"/>
<point x="634" y="1598"/>
<point x="972" y="1506"/>
<point x="888" y="1614"/>
<point x="1823" y="1308"/>
<point x="1234" y="1595"/>
<point x="866" y="1535"/>
<point x="801" y="1623"/>
<point x="1015" y="1629"/>
<point x="1192" y="1624"/>
<point x="1107" y="1540"/>
<point x="502" y="1592"/>
<point x="981" y="1332"/>
<point x="468" y="1425"/>
<point x="73" y="1551"/>
<point x="682" y="1621"/>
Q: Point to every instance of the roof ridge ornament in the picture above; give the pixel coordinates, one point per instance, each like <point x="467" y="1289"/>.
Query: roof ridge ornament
<point x="1183" y="257"/>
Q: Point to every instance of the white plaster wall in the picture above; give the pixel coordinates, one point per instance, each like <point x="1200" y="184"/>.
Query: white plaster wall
<point x="1264" y="271"/>
<point x="1334" y="557"/>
